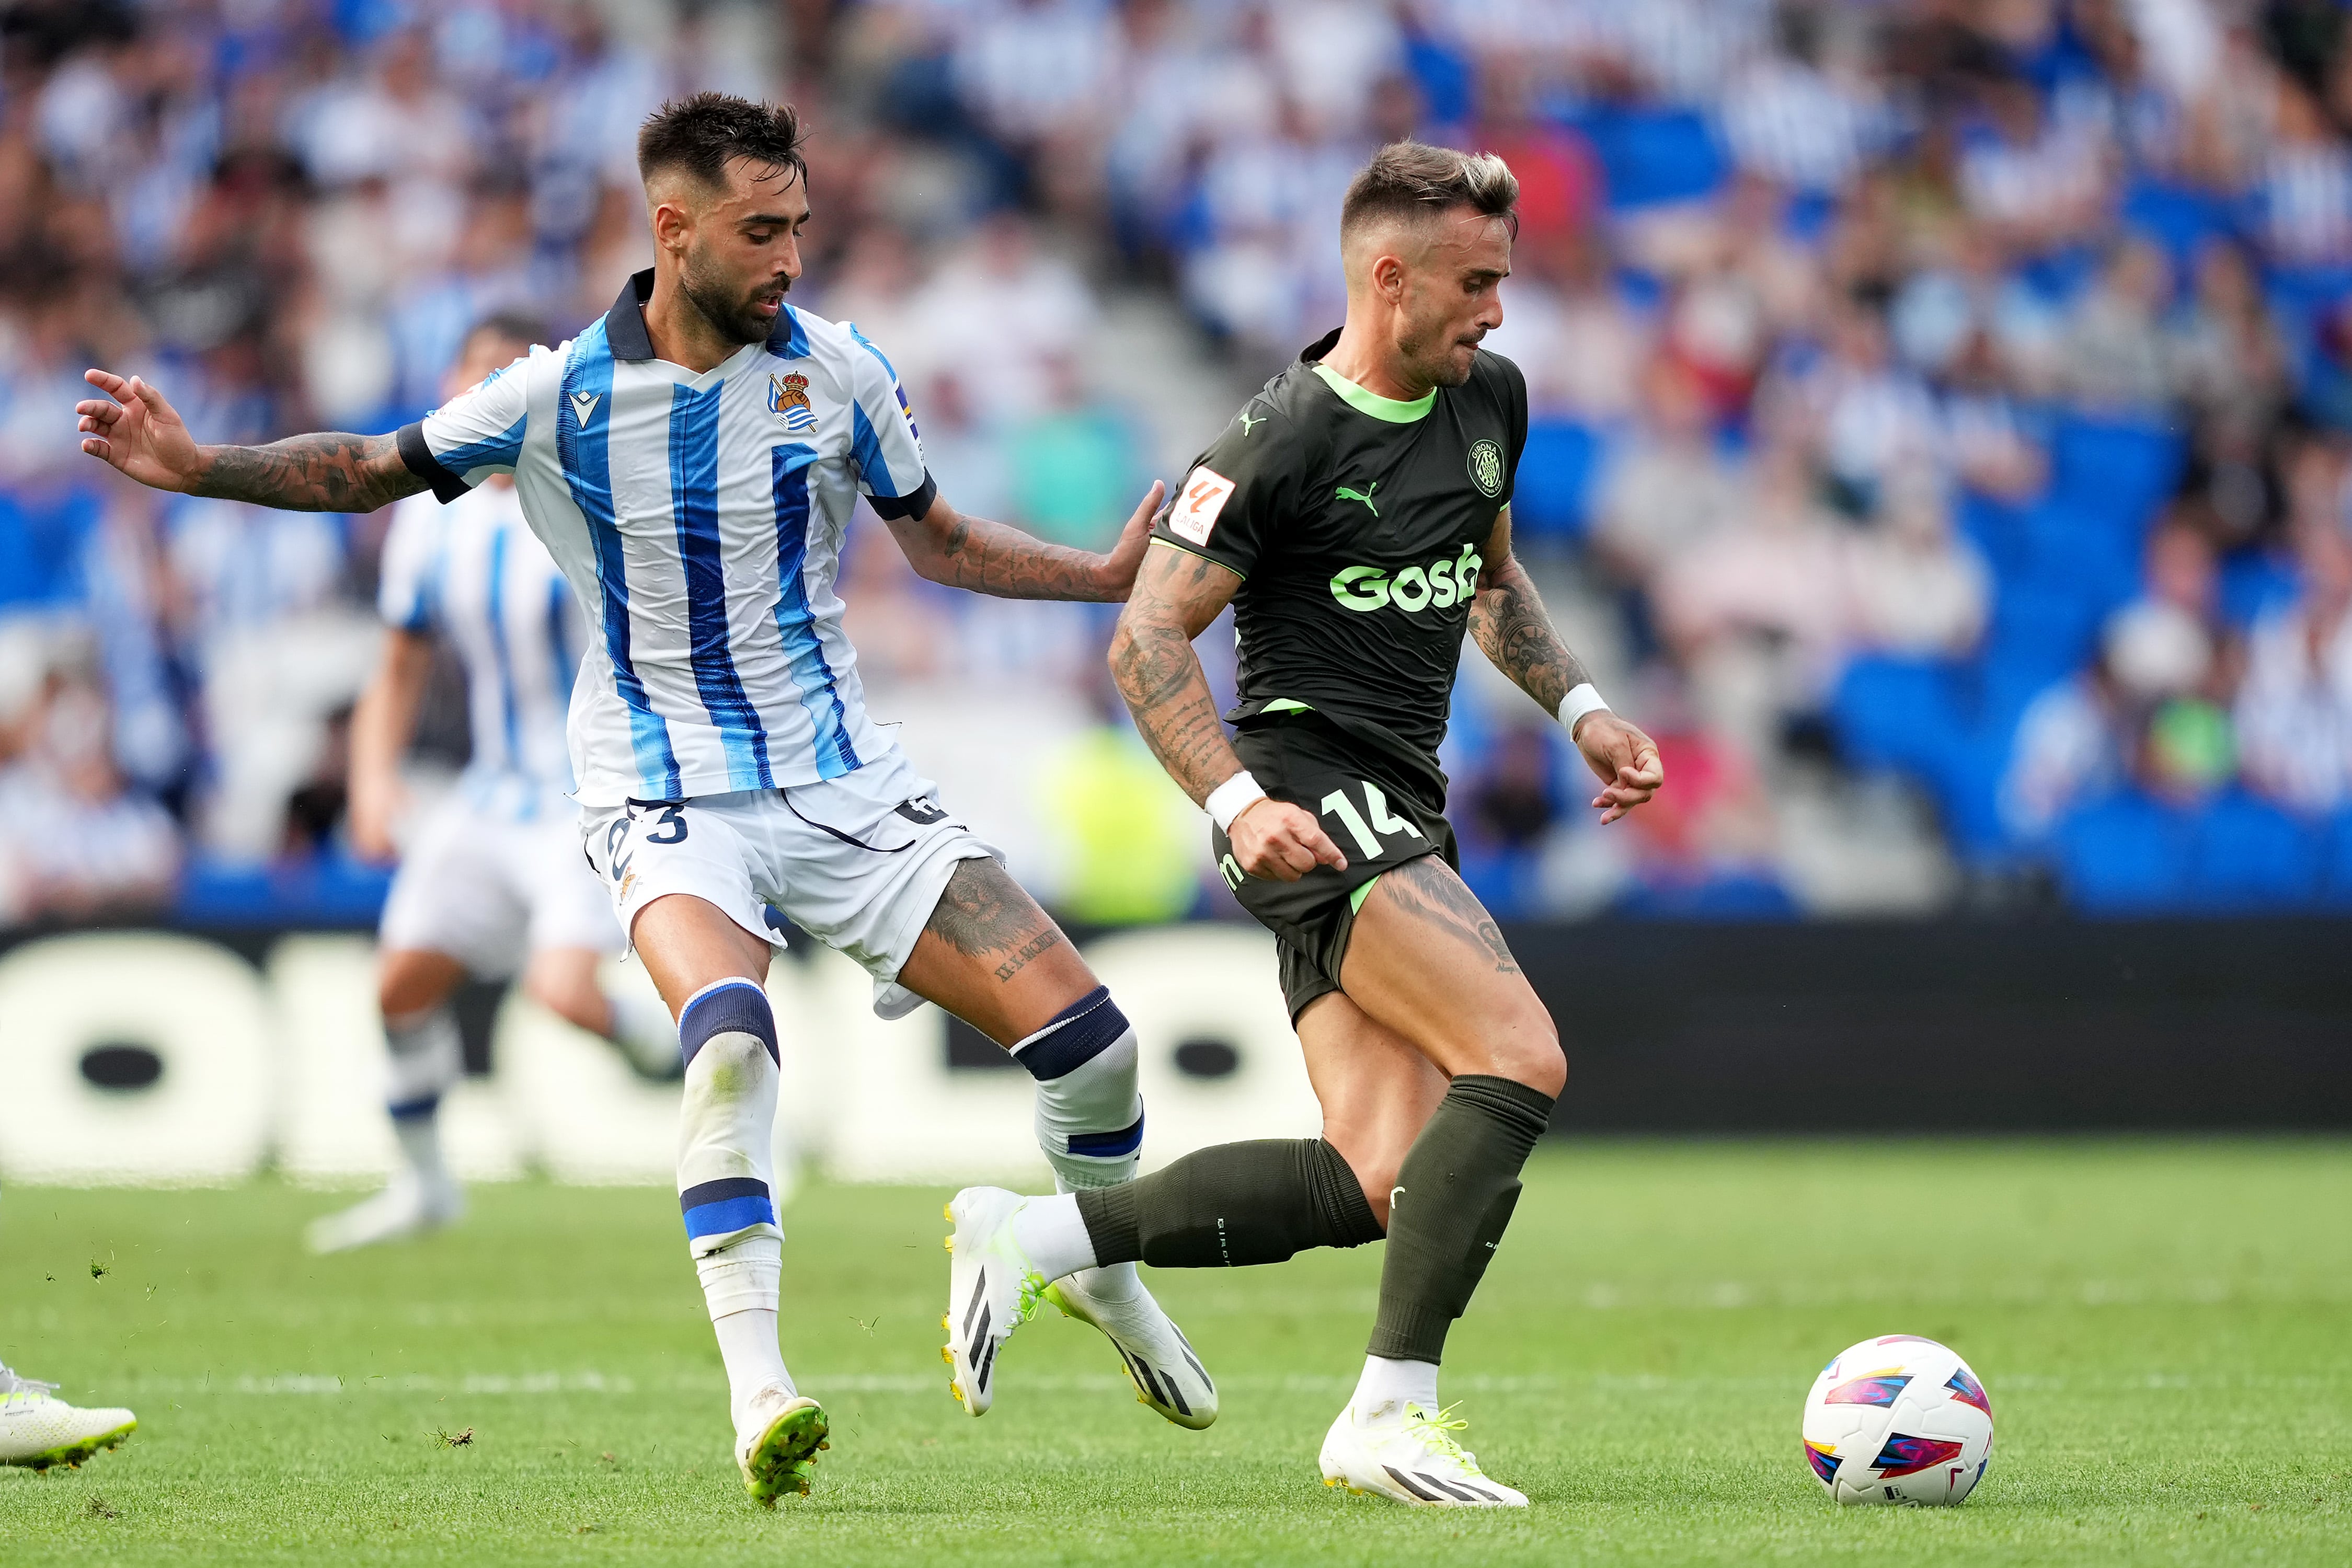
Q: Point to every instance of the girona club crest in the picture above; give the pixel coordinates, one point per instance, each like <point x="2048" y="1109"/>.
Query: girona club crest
<point x="788" y="400"/>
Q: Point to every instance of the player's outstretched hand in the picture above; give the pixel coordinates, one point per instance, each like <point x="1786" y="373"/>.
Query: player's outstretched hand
<point x="1282" y="842"/>
<point x="1624" y="761"/>
<point x="376" y="805"/>
<point x="1126" y="557"/>
<point x="136" y="432"/>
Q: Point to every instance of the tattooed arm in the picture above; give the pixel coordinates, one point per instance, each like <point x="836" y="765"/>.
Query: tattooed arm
<point x="136" y="432"/>
<point x="1512" y="629"/>
<point x="1177" y="594"/>
<point x="945" y="546"/>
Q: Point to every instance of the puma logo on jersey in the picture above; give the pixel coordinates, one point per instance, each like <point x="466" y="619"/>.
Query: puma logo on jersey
<point x="1248" y="423"/>
<point x="1344" y="494"/>
<point x="583" y="405"/>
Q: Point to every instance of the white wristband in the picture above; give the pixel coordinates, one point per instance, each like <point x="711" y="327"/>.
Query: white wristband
<point x="1577" y="704"/>
<point x="1232" y="798"/>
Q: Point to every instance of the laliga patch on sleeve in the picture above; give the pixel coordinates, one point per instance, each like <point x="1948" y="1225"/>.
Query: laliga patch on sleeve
<point x="1195" y="513"/>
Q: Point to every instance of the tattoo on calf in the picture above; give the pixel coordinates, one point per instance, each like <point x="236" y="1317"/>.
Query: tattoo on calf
<point x="1433" y="892"/>
<point x="985" y="912"/>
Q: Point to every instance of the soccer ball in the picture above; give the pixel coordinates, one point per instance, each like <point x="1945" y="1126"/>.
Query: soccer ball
<point x="1898" y="1419"/>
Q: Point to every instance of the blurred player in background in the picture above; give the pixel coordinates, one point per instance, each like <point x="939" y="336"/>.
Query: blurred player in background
<point x="492" y="879"/>
<point x="1356" y="516"/>
<point x="38" y="1429"/>
<point x="691" y="462"/>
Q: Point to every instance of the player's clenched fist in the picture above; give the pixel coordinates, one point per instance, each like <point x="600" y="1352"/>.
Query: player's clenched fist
<point x="1282" y="842"/>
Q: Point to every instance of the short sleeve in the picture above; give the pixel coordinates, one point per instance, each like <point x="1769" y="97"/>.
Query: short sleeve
<point x="407" y="583"/>
<point x="883" y="440"/>
<point x="1236" y="493"/>
<point x="475" y="434"/>
<point x="1515" y="399"/>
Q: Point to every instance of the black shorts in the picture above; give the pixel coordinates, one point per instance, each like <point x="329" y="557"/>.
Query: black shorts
<point x="1301" y="761"/>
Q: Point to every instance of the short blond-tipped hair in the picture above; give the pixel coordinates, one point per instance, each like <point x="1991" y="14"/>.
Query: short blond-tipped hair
<point x="1413" y="182"/>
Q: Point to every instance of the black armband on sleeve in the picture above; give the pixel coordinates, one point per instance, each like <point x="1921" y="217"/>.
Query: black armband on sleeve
<point x="414" y="451"/>
<point x="889" y="508"/>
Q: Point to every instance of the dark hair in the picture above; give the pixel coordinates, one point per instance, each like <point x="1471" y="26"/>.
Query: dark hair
<point x="1414" y="181"/>
<point x="511" y="326"/>
<point x="704" y="133"/>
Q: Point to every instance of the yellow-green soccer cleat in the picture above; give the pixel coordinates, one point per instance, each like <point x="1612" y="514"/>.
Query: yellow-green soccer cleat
<point x="38" y="1429"/>
<point x="1160" y="1361"/>
<point x="992" y="1289"/>
<point x="777" y="1447"/>
<point x="1413" y="1458"/>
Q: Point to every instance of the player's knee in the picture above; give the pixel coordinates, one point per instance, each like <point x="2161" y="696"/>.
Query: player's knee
<point x="1528" y="1053"/>
<point x="574" y="999"/>
<point x="404" y="988"/>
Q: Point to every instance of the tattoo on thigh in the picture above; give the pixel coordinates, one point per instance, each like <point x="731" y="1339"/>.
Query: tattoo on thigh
<point x="985" y="912"/>
<point x="1435" y="893"/>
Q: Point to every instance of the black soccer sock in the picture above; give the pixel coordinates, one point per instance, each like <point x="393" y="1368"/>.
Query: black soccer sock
<point x="1453" y="1196"/>
<point x="1256" y="1202"/>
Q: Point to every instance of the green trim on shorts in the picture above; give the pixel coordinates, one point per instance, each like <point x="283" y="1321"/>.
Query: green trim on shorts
<point x="1287" y="704"/>
<point x="1356" y="899"/>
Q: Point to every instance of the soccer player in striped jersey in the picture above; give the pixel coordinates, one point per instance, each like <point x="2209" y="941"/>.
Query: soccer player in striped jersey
<point x="493" y="879"/>
<point x="691" y="461"/>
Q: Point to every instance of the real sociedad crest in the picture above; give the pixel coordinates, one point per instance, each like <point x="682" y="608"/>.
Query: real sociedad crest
<point x="788" y="400"/>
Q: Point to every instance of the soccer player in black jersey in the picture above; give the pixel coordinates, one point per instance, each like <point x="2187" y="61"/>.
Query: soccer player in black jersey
<point x="1355" y="514"/>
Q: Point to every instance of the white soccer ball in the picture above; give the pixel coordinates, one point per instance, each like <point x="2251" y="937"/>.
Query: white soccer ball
<point x="1898" y="1419"/>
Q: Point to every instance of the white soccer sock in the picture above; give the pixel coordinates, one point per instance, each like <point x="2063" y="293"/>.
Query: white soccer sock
<point x="727" y="1112"/>
<point x="740" y="1283"/>
<point x="1388" y="1386"/>
<point x="1089" y="1117"/>
<point x="1051" y="1232"/>
<point x="640" y="1027"/>
<point x="427" y="1058"/>
<point x="420" y="1146"/>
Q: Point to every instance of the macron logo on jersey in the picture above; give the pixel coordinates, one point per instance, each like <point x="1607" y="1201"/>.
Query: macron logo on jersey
<point x="584" y="406"/>
<point x="1195" y="512"/>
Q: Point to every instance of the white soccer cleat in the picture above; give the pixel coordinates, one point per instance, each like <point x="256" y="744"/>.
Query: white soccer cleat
<point x="1160" y="1362"/>
<point x="407" y="1207"/>
<point x="992" y="1289"/>
<point x="776" y="1448"/>
<point x="38" y="1429"/>
<point x="1413" y="1458"/>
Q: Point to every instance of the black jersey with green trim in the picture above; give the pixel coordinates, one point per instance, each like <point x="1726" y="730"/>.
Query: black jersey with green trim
<point x="1358" y="523"/>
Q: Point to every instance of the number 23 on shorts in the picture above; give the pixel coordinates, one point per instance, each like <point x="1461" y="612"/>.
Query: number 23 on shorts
<point x="669" y="828"/>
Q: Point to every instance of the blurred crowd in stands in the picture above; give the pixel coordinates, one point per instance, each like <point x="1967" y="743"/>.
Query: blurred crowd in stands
<point x="1942" y="408"/>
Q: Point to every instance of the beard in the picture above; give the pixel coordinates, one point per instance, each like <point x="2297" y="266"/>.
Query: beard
<point x="728" y="306"/>
<point x="1430" y="357"/>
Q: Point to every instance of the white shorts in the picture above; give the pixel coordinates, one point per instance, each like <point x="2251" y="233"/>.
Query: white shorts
<point x="858" y="862"/>
<point x="489" y="890"/>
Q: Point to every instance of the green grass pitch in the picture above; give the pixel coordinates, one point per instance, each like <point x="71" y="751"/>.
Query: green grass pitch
<point x="2162" y="1327"/>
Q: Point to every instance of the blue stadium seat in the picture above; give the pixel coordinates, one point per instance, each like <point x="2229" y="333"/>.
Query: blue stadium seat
<point x="2118" y="468"/>
<point x="2334" y="841"/>
<point x="1896" y="712"/>
<point x="2246" y="854"/>
<point x="2126" y="854"/>
<point x="2254" y="583"/>
<point x="1552" y="497"/>
<point x="1649" y="156"/>
<point x="2182" y="218"/>
<point x="1723" y="896"/>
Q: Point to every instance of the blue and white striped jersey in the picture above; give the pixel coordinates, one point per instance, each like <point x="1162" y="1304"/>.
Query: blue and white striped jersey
<point x="473" y="571"/>
<point x="700" y="518"/>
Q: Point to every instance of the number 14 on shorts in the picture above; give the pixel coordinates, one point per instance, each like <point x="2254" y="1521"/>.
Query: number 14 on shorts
<point x="1365" y="829"/>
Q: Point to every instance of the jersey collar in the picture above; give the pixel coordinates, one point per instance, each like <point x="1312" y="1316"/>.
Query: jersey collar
<point x="1363" y="399"/>
<point x="625" y="324"/>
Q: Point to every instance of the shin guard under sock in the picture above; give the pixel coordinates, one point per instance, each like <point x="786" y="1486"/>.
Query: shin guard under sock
<point x="726" y="1117"/>
<point x="1453" y="1199"/>
<point x="1235" y="1204"/>
<point x="1090" y="1116"/>
<point x="428" y="1060"/>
